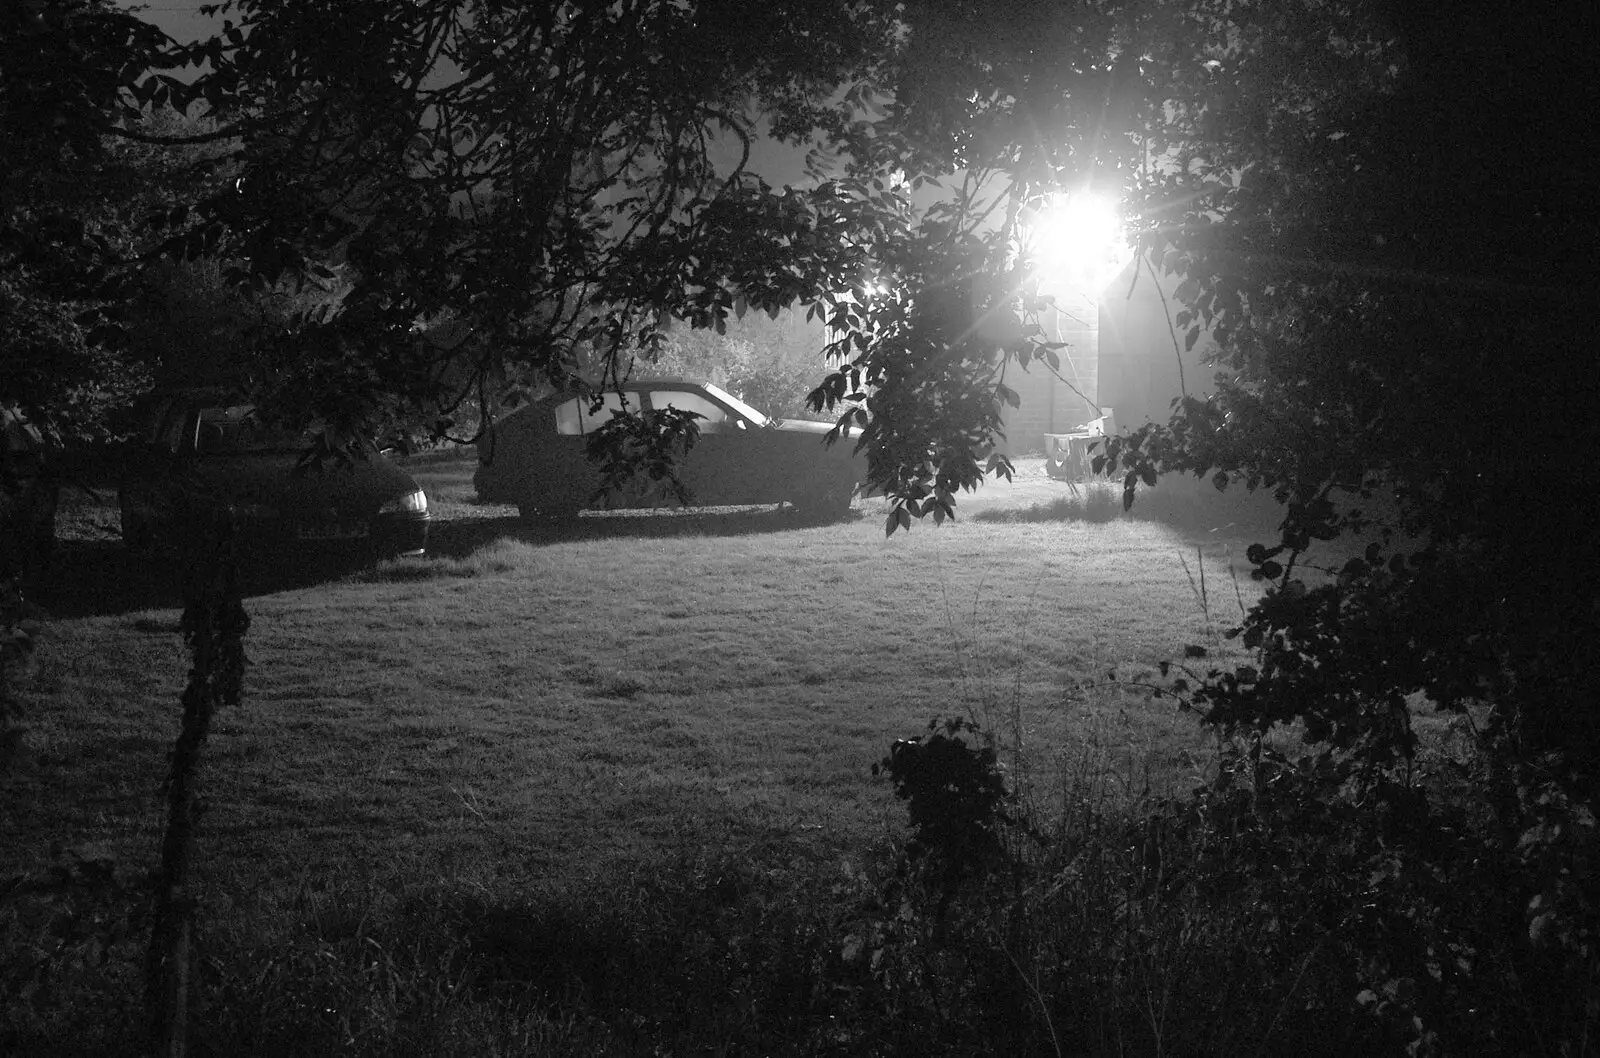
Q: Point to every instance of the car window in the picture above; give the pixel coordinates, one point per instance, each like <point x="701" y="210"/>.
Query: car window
<point x="567" y="418"/>
<point x="686" y="400"/>
<point x="574" y="417"/>
<point x="739" y="407"/>
<point x="237" y="431"/>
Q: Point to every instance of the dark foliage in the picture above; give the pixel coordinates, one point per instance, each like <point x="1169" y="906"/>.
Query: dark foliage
<point x="956" y="796"/>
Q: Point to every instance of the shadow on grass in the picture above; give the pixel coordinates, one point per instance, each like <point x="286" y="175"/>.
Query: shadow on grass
<point x="459" y="539"/>
<point x="102" y="577"/>
<point x="88" y="578"/>
<point x="470" y="547"/>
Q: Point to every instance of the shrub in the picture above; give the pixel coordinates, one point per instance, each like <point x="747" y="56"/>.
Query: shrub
<point x="1278" y="904"/>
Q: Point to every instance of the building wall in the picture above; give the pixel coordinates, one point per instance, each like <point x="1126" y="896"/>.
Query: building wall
<point x="1057" y="405"/>
<point x="1139" y="370"/>
<point x="1120" y="357"/>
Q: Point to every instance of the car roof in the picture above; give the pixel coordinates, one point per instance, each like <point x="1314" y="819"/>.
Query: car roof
<point x="649" y="382"/>
<point x="635" y="385"/>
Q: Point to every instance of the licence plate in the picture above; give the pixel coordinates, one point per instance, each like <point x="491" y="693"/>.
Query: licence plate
<point x="334" y="531"/>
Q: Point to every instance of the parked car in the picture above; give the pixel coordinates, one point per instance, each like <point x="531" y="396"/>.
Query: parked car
<point x="197" y="456"/>
<point x="535" y="457"/>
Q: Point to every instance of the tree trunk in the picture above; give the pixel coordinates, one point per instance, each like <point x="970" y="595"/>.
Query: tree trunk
<point x="214" y="623"/>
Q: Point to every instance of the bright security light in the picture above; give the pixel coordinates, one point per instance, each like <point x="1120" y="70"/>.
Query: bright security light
<point x="1077" y="241"/>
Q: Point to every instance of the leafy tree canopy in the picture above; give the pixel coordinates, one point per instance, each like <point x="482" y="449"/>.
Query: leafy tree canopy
<point x="64" y="224"/>
<point x="547" y="175"/>
<point x="1375" y="209"/>
<point x="1380" y="210"/>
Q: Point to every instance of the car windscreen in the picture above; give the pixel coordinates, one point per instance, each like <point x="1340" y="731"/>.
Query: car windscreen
<point x="755" y="417"/>
<point x="237" y="431"/>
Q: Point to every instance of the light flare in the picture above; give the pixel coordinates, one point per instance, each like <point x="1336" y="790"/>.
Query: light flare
<point x="1078" y="241"/>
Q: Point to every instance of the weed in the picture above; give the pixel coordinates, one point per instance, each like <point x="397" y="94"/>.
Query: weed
<point x="1094" y="502"/>
<point x="1174" y="501"/>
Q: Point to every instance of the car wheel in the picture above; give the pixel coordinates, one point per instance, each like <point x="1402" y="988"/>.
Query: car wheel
<point x="831" y="502"/>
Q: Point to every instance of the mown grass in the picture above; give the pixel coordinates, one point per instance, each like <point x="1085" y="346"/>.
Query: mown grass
<point x="597" y="791"/>
<point x="616" y="687"/>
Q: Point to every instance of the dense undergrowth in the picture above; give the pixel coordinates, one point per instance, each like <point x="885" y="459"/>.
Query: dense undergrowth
<point x="1261" y="914"/>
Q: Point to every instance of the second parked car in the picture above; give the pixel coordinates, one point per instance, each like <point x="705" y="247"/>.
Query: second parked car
<point x="536" y="456"/>
<point x="199" y="456"/>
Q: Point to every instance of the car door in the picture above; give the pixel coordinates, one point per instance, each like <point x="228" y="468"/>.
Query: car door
<point x="571" y="480"/>
<point x="733" y="461"/>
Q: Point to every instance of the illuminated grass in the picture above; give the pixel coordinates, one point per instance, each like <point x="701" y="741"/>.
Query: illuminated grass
<point x="594" y="697"/>
<point x="544" y="708"/>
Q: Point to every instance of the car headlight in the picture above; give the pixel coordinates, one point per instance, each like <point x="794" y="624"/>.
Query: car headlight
<point x="412" y="503"/>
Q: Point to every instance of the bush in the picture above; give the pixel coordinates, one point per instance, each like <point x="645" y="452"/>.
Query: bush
<point x="1267" y="910"/>
<point x="1278" y="905"/>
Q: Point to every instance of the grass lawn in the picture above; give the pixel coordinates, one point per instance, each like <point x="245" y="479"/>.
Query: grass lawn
<point x="538" y="709"/>
<point x="635" y="686"/>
